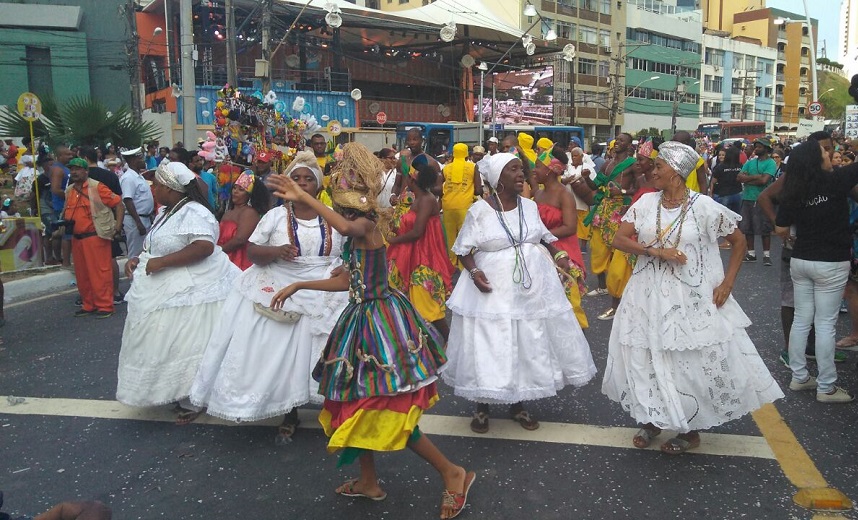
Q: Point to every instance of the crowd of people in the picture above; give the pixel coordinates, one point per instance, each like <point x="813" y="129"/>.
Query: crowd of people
<point x="357" y="282"/>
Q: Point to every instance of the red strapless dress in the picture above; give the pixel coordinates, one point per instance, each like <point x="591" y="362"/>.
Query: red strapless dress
<point x="422" y="262"/>
<point x="237" y="256"/>
<point x="552" y="217"/>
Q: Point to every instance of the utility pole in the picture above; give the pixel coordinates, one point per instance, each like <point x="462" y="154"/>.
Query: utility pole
<point x="133" y="51"/>
<point x="266" y="42"/>
<point x="615" y="88"/>
<point x="678" y="90"/>
<point x="189" y="83"/>
<point x="231" y="73"/>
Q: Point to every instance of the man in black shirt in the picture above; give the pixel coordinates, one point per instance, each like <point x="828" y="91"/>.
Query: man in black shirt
<point x="109" y="179"/>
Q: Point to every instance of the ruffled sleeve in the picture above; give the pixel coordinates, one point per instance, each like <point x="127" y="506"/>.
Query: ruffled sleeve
<point x="637" y="213"/>
<point x="469" y="235"/>
<point x="270" y="222"/>
<point x="194" y="223"/>
<point x="718" y="221"/>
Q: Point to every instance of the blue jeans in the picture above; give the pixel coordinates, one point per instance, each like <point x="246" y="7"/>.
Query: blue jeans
<point x="818" y="289"/>
<point x="732" y="202"/>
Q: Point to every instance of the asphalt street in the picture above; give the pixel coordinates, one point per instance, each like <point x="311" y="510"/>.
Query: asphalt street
<point x="68" y="439"/>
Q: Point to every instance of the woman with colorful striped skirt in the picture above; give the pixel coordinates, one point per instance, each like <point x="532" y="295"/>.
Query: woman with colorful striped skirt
<point x="379" y="367"/>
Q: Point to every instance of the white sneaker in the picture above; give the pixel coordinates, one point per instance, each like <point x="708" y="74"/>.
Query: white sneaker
<point x="810" y="384"/>
<point x="597" y="292"/>
<point x="838" y="395"/>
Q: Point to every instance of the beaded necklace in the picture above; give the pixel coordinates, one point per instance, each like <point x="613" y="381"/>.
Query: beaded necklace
<point x="324" y="229"/>
<point x="520" y="272"/>
<point x="158" y="224"/>
<point x="662" y="234"/>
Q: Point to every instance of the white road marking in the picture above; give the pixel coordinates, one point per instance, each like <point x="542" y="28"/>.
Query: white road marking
<point x="501" y="428"/>
<point x="40" y="298"/>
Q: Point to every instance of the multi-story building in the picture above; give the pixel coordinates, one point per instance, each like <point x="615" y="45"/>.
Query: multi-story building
<point x="718" y="14"/>
<point x="788" y="34"/>
<point x="847" y="41"/>
<point x="663" y="56"/>
<point x="581" y="87"/>
<point x="738" y="80"/>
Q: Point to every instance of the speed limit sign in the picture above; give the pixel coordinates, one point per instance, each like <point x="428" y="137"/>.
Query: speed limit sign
<point x="814" y="108"/>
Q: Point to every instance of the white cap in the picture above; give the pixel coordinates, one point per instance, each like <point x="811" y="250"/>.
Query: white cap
<point x="136" y="151"/>
<point x="493" y="140"/>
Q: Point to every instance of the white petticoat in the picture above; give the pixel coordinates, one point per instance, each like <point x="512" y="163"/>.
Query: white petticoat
<point x="675" y="359"/>
<point x="255" y="367"/>
<point x="515" y="343"/>
<point x="171" y="315"/>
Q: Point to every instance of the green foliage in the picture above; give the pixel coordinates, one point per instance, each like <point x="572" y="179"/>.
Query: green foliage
<point x="81" y="121"/>
<point x="835" y="101"/>
<point x="646" y="132"/>
<point x="830" y="63"/>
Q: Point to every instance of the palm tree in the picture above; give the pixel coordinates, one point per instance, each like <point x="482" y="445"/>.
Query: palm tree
<point x="81" y="121"/>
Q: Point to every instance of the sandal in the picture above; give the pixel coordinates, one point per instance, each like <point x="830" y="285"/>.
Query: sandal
<point x="480" y="423"/>
<point x="847" y="343"/>
<point x="643" y="438"/>
<point x="679" y="445"/>
<point x="457" y="501"/>
<point x="187" y="416"/>
<point x="525" y="420"/>
<point x="348" y="490"/>
<point x="285" y="432"/>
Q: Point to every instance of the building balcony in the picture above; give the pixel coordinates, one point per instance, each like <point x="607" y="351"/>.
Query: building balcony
<point x="779" y="98"/>
<point x="780" y="77"/>
<point x="802" y="100"/>
<point x="781" y="56"/>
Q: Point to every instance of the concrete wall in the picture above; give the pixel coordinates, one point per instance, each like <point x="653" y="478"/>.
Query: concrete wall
<point x="93" y="59"/>
<point x="69" y="70"/>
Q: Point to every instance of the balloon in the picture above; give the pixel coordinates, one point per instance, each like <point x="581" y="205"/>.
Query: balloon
<point x="206" y="113"/>
<point x="224" y="112"/>
<point x="219" y="104"/>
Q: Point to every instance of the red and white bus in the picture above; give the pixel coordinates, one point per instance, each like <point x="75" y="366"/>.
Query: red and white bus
<point x="721" y="130"/>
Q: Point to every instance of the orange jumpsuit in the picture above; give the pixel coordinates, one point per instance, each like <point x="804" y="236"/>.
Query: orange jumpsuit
<point x="91" y="253"/>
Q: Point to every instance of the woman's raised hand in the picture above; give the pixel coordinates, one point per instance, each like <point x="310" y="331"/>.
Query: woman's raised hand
<point x="284" y="187"/>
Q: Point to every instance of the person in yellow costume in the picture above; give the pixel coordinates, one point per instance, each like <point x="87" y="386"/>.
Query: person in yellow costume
<point x="461" y="185"/>
<point x="544" y="144"/>
<point x="613" y="189"/>
<point x="319" y="146"/>
<point x="698" y="177"/>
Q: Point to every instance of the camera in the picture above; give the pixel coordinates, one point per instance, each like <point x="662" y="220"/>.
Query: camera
<point x="63" y="223"/>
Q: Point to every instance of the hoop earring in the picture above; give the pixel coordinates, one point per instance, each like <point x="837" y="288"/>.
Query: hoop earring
<point x="502" y="188"/>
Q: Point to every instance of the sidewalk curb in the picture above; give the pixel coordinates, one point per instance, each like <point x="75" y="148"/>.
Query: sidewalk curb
<point x="56" y="280"/>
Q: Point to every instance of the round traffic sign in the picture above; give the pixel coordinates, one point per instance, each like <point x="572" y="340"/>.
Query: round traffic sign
<point x="381" y="118"/>
<point x="814" y="108"/>
<point x="29" y="106"/>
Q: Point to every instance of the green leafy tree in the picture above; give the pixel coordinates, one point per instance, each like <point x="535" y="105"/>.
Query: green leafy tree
<point x="81" y="121"/>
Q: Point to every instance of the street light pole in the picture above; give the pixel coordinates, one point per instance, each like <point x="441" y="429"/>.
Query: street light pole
<point x="483" y="68"/>
<point x="812" y="51"/>
<point x="678" y="90"/>
<point x="189" y="83"/>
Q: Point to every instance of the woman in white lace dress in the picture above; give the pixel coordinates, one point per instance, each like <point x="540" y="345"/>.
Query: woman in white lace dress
<point x="178" y="286"/>
<point x="514" y="336"/>
<point x="258" y="363"/>
<point x="679" y="357"/>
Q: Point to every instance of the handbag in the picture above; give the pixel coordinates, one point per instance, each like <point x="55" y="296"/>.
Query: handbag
<point x="290" y="317"/>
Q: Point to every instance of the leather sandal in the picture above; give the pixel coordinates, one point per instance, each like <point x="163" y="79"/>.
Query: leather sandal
<point x="525" y="420"/>
<point x="480" y="422"/>
<point x="644" y="437"/>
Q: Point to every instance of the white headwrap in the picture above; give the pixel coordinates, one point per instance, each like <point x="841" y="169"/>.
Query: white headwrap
<point x="492" y="165"/>
<point x="175" y="176"/>
<point x="306" y="159"/>
<point x="27" y="159"/>
<point x="681" y="157"/>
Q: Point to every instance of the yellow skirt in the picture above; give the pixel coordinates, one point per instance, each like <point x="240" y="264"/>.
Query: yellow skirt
<point x="619" y="272"/>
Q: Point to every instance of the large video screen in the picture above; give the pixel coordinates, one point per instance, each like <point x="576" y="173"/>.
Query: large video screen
<point x="521" y="97"/>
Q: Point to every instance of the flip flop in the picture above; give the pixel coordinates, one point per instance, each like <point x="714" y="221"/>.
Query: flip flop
<point x="458" y="501"/>
<point x="347" y="490"/>
<point x="847" y="343"/>
<point x="525" y="420"/>
<point x="187" y="417"/>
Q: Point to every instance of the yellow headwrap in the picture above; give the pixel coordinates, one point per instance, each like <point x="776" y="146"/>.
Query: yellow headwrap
<point x="457" y="167"/>
<point x="525" y="142"/>
<point x="544" y="143"/>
